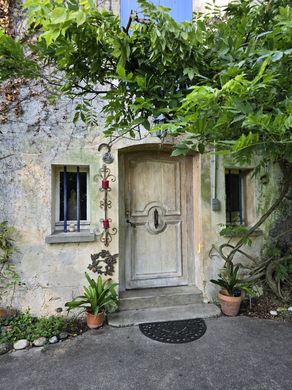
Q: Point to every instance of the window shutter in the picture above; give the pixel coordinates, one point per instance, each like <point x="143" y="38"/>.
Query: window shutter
<point x="180" y="9"/>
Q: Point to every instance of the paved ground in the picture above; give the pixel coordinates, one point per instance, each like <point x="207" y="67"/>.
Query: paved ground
<point x="235" y="353"/>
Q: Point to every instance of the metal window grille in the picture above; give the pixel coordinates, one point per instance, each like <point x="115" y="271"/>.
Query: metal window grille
<point x="234" y="197"/>
<point x="73" y="197"/>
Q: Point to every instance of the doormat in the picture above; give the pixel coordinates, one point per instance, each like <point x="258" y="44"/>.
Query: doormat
<point x="175" y="332"/>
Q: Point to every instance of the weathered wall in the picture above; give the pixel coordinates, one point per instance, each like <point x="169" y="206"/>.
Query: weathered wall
<point x="44" y="135"/>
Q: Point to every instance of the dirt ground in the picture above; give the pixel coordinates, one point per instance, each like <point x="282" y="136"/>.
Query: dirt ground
<point x="261" y="307"/>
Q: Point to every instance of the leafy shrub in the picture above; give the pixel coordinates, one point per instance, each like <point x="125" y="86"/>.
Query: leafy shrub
<point x="25" y="326"/>
<point x="283" y="271"/>
<point x="234" y="231"/>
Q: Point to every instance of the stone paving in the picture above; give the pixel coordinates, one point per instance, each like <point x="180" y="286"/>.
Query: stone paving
<point x="237" y="353"/>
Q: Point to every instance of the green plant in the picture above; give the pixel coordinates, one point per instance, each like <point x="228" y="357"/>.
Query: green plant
<point x="8" y="276"/>
<point x="230" y="281"/>
<point x="283" y="271"/>
<point x="98" y="296"/>
<point x="25" y="326"/>
<point x="234" y="231"/>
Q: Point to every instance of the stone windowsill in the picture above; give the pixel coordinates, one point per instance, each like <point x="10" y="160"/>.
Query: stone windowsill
<point x="61" y="237"/>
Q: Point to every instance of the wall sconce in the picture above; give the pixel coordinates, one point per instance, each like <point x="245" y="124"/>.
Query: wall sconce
<point x="107" y="158"/>
<point x="159" y="121"/>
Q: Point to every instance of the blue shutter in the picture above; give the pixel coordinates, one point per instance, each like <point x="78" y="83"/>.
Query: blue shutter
<point x="180" y="9"/>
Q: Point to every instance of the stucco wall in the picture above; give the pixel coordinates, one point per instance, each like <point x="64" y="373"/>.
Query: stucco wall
<point x="53" y="273"/>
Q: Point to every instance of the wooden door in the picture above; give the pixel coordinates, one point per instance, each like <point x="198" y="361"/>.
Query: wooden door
<point x="157" y="187"/>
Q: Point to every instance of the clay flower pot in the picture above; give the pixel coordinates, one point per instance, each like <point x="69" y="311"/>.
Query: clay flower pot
<point x="229" y="305"/>
<point x="95" y="321"/>
<point x="4" y="313"/>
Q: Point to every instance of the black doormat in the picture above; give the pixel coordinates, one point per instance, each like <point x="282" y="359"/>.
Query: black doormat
<point x="175" y="332"/>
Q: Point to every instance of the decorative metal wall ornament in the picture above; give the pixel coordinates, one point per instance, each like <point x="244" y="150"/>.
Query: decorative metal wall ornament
<point x="106" y="258"/>
<point x="105" y="203"/>
<point x="107" y="158"/>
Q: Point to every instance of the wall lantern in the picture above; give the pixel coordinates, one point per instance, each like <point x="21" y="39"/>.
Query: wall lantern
<point x="107" y="157"/>
<point x="160" y="120"/>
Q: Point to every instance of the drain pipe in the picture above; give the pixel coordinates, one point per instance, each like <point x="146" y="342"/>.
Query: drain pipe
<point x="215" y="200"/>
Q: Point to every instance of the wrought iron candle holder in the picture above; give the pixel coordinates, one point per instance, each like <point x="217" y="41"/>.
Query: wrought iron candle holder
<point x="105" y="203"/>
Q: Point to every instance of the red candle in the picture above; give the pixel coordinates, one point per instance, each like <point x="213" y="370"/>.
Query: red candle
<point x="106" y="224"/>
<point x="105" y="184"/>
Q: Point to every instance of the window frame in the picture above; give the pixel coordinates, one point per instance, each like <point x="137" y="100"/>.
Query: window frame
<point x="59" y="225"/>
<point x="247" y="202"/>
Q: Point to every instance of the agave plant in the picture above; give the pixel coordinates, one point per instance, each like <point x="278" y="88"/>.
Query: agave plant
<point x="98" y="296"/>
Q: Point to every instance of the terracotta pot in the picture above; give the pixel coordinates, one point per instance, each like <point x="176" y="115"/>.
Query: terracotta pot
<point x="4" y="313"/>
<point x="229" y="305"/>
<point x="95" y="321"/>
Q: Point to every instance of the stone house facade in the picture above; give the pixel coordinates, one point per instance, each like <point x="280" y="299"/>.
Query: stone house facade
<point x="163" y="213"/>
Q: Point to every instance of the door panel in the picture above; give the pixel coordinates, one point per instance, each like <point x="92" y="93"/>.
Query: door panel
<point x="165" y="249"/>
<point x="156" y="231"/>
<point x="151" y="179"/>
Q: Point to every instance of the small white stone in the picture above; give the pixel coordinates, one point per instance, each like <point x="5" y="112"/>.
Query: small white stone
<point x="21" y="344"/>
<point x="53" y="340"/>
<point x="273" y="312"/>
<point x="40" y="342"/>
<point x="290" y="308"/>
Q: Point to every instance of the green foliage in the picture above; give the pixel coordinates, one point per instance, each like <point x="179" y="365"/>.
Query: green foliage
<point x="281" y="263"/>
<point x="25" y="326"/>
<point x="222" y="79"/>
<point x="8" y="275"/>
<point x="245" y="108"/>
<point x="230" y="281"/>
<point x="148" y="70"/>
<point x="13" y="61"/>
<point x="283" y="270"/>
<point x="98" y="296"/>
<point x="235" y="231"/>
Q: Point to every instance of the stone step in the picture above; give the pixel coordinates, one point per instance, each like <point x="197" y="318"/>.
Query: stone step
<point x="159" y="297"/>
<point x="160" y="314"/>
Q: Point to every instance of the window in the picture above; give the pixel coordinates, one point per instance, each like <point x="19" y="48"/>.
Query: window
<point x="181" y="10"/>
<point x="239" y="190"/>
<point x="72" y="203"/>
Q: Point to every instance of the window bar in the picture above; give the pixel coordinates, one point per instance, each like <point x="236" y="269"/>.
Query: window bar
<point x="229" y="194"/>
<point x="78" y="198"/>
<point x="65" y="198"/>
<point x="240" y="197"/>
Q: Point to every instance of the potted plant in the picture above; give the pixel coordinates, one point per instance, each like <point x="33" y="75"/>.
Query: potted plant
<point x="230" y="296"/>
<point x="97" y="298"/>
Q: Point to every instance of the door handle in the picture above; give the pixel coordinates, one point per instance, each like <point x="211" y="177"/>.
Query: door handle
<point x="156" y="222"/>
<point x="131" y="223"/>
